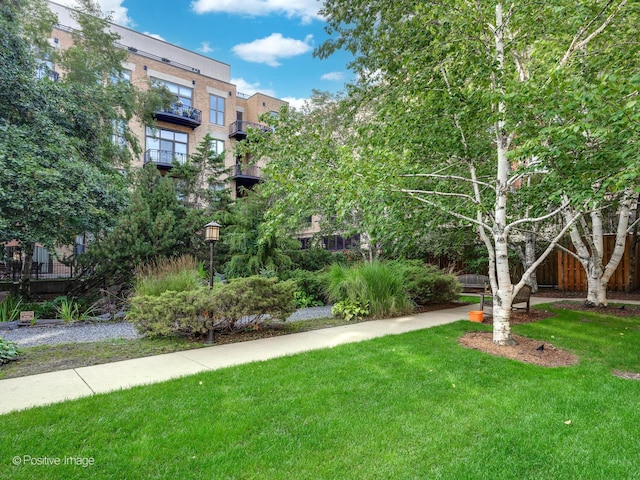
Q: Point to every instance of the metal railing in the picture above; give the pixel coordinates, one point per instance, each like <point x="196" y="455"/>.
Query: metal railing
<point x="241" y="127"/>
<point x="247" y="171"/>
<point x="184" y="111"/>
<point x="164" y="157"/>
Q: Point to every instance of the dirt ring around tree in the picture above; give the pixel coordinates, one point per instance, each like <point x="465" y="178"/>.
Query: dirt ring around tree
<point x="527" y="351"/>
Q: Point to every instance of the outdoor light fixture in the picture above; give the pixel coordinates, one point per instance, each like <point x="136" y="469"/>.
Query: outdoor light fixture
<point x="211" y="235"/>
<point x="212" y="232"/>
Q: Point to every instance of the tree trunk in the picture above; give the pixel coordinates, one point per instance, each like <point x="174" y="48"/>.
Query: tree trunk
<point x="25" y="278"/>
<point x="502" y="296"/>
<point x="596" y="289"/>
<point x="592" y="260"/>
<point x="529" y="259"/>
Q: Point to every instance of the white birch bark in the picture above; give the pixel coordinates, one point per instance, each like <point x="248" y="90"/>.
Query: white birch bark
<point x="503" y="295"/>
<point x="590" y="251"/>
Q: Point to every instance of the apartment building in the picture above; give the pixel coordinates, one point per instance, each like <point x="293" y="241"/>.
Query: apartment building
<point x="206" y="100"/>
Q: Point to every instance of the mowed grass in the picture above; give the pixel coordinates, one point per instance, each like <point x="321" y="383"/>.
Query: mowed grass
<point x="410" y="406"/>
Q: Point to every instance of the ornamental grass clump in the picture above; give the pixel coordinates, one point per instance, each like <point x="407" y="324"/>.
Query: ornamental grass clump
<point x="377" y="287"/>
<point x="179" y="274"/>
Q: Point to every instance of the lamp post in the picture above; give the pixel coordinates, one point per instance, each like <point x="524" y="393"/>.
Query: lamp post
<point x="211" y="235"/>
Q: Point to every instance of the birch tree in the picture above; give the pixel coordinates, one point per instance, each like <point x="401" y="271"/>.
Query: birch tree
<point x="461" y="93"/>
<point x="588" y="238"/>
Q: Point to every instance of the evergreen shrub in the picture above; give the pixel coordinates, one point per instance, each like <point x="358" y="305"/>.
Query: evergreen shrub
<point x="241" y="303"/>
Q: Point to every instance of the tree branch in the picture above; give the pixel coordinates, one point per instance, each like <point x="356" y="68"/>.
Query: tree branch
<point x="536" y="219"/>
<point x="577" y="45"/>
<point x="449" y="177"/>
<point x="440" y="194"/>
<point x="566" y="250"/>
<point x="532" y="268"/>
<point x="450" y="212"/>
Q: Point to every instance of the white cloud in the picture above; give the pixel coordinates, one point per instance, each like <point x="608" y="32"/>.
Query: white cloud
<point x="306" y="10"/>
<point x="296" y="103"/>
<point x="154" y="35"/>
<point x="205" y="47"/>
<point x="247" y="88"/>
<point x="333" y="76"/>
<point x="269" y="49"/>
<point x="110" y="7"/>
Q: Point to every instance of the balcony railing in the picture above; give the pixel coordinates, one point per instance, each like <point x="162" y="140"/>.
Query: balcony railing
<point x="246" y="177"/>
<point x="164" y="158"/>
<point x="45" y="72"/>
<point x="239" y="128"/>
<point x="180" y="115"/>
<point x="247" y="171"/>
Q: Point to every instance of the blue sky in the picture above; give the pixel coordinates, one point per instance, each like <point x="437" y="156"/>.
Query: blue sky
<point x="268" y="43"/>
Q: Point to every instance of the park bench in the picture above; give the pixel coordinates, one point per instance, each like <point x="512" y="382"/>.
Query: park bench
<point x="472" y="282"/>
<point x="523" y="296"/>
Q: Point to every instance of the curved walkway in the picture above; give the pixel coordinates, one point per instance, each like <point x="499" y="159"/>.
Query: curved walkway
<point x="26" y="392"/>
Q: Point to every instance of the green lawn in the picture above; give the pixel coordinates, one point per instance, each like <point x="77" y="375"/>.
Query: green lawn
<point x="411" y="406"/>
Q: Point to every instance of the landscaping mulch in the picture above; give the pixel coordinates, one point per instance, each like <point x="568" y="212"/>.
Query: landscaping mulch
<point x="527" y="350"/>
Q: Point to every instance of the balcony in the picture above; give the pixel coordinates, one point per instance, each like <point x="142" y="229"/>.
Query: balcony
<point x="239" y="128"/>
<point x="45" y="72"/>
<point x="180" y="115"/>
<point x="164" y="159"/>
<point x="246" y="176"/>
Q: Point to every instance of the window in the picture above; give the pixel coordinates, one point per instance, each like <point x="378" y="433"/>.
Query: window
<point x="44" y="67"/>
<point x="123" y="76"/>
<point x="216" y="113"/>
<point x="183" y="94"/>
<point x="217" y="146"/>
<point x="168" y="144"/>
<point x="118" y="138"/>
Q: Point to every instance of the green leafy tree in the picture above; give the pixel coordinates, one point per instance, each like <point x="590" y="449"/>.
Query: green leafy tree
<point x="459" y="105"/>
<point x="61" y="165"/>
<point x="155" y="225"/>
<point x="58" y="175"/>
<point x="250" y="250"/>
<point x="200" y="181"/>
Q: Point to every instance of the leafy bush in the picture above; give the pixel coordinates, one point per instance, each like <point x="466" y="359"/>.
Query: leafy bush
<point x="178" y="274"/>
<point x="310" y="291"/>
<point x="70" y="310"/>
<point x="48" y="308"/>
<point x="303" y="300"/>
<point x="8" y="351"/>
<point x="10" y="309"/>
<point x="377" y="285"/>
<point x="350" y="310"/>
<point x="239" y="303"/>
<point x="426" y="283"/>
<point x="313" y="259"/>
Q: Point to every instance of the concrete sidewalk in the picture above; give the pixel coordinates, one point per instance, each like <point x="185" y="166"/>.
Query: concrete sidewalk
<point x="26" y="392"/>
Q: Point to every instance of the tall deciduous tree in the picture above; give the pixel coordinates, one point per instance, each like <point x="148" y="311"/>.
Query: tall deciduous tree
<point x="472" y="99"/>
<point x="60" y="159"/>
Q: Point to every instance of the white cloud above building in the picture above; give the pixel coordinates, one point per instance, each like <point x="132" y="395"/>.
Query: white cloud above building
<point x="205" y="47"/>
<point x="333" y="76"/>
<point x="118" y="12"/>
<point x="270" y="50"/>
<point x="306" y="10"/>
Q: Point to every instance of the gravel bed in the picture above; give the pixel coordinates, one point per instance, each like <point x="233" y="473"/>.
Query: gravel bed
<point x="73" y="333"/>
<point x="311" y="313"/>
<point x="95" y="332"/>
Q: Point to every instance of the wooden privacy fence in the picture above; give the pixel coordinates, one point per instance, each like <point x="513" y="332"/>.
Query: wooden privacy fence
<point x="564" y="272"/>
<point x="572" y="276"/>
